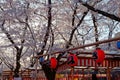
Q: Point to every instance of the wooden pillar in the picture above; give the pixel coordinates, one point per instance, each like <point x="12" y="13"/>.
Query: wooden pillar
<point x="11" y="75"/>
<point x="36" y="64"/>
<point x="94" y="75"/>
<point x="83" y="74"/>
<point x="67" y="77"/>
<point x="108" y="73"/>
<point x="72" y="73"/>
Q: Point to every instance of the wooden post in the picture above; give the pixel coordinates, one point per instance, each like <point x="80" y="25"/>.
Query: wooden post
<point x="108" y="73"/>
<point x="66" y="75"/>
<point x="11" y="75"/>
<point x="94" y="75"/>
<point x="72" y="73"/>
<point x="36" y="68"/>
<point x="83" y="74"/>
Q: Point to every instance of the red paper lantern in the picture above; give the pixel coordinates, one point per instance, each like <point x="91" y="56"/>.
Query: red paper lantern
<point x="72" y="60"/>
<point x="99" y="56"/>
<point x="53" y="62"/>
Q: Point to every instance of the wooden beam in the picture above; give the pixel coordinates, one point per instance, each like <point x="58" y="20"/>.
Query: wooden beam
<point x="79" y="47"/>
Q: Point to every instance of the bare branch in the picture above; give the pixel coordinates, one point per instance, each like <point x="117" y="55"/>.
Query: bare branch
<point x="111" y="16"/>
<point x="8" y="35"/>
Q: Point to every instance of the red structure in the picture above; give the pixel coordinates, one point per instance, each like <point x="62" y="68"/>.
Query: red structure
<point x="86" y="63"/>
<point x="89" y="61"/>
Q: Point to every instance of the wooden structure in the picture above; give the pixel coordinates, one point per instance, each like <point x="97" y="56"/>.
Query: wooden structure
<point x="84" y="63"/>
<point x="111" y="62"/>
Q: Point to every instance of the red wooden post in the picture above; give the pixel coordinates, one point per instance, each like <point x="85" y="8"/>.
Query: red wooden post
<point x="89" y="62"/>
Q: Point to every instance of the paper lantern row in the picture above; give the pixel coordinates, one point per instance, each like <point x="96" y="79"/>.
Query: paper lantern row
<point x="72" y="60"/>
<point x="52" y="63"/>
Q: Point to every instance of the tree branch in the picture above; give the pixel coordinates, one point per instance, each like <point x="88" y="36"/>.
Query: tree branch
<point x="111" y="16"/>
<point x="48" y="28"/>
<point x="8" y="35"/>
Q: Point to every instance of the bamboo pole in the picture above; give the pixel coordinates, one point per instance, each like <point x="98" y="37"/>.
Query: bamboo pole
<point x="79" y="47"/>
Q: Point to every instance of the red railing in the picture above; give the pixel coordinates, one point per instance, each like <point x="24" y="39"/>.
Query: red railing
<point x="84" y="62"/>
<point x="29" y="78"/>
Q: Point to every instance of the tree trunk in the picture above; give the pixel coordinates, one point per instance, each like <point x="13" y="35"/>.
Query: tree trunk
<point x="49" y="73"/>
<point x="18" y="56"/>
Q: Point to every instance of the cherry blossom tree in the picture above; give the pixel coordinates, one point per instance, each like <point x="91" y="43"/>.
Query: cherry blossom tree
<point x="31" y="28"/>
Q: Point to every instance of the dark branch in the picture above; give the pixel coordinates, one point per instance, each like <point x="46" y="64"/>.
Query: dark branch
<point x="48" y="28"/>
<point x="111" y="16"/>
<point x="8" y="35"/>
